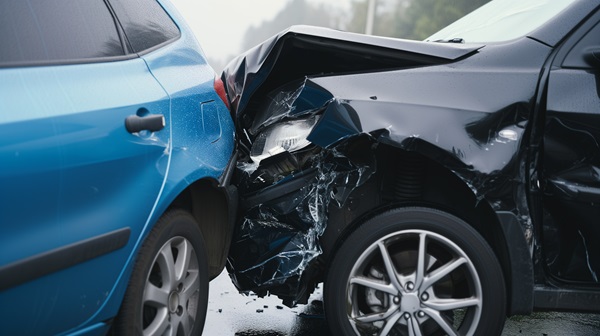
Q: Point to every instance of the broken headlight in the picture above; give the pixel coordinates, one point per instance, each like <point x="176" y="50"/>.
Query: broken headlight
<point x="285" y="136"/>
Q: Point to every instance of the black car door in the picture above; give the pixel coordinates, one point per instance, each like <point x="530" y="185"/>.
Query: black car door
<point x="571" y="159"/>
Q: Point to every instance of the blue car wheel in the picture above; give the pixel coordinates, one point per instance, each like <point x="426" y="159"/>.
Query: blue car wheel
<point x="168" y="291"/>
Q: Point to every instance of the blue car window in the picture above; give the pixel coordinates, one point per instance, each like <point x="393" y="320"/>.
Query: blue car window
<point x="145" y="23"/>
<point x="58" y="31"/>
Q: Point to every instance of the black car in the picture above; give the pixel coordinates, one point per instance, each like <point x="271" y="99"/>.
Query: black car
<point x="435" y="187"/>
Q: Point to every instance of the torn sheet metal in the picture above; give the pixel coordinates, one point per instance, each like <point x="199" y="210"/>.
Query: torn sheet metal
<point x="467" y="109"/>
<point x="286" y="196"/>
<point x="481" y="143"/>
<point x="302" y="51"/>
<point x="278" y="236"/>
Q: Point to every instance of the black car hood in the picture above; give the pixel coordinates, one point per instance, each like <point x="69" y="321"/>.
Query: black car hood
<point x="302" y="51"/>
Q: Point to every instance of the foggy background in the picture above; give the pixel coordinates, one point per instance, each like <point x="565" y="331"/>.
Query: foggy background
<point x="226" y="28"/>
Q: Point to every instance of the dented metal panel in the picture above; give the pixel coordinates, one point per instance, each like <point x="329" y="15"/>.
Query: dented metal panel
<point x="306" y="51"/>
<point x="461" y="120"/>
<point x="278" y="237"/>
<point x="467" y="109"/>
<point x="285" y="201"/>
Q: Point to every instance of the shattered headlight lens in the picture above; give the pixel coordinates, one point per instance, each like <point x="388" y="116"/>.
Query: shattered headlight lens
<point x="287" y="136"/>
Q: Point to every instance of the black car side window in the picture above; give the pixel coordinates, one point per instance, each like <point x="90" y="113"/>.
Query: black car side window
<point x="59" y="31"/>
<point x="585" y="53"/>
<point x="145" y="23"/>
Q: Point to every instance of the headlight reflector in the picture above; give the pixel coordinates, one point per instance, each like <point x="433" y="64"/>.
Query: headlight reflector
<point x="284" y="136"/>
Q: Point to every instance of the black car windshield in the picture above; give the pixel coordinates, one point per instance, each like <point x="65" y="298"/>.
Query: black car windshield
<point x="501" y="20"/>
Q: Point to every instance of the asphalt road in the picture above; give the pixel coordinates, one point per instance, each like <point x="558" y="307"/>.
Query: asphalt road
<point x="233" y="314"/>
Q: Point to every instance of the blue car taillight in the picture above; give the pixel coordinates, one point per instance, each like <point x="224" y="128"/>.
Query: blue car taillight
<point x="220" y="89"/>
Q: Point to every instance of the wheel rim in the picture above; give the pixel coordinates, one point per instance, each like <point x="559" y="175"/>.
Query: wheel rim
<point x="171" y="291"/>
<point x="414" y="282"/>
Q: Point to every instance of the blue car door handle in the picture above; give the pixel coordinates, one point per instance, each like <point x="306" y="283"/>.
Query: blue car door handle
<point x="152" y="123"/>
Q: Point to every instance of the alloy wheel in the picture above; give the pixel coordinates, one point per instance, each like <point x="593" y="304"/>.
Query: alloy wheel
<point x="414" y="282"/>
<point x="170" y="298"/>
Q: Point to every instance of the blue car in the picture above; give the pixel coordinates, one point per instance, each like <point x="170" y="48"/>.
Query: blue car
<point x="116" y="149"/>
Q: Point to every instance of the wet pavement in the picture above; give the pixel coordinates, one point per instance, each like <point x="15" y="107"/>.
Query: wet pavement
<point x="234" y="314"/>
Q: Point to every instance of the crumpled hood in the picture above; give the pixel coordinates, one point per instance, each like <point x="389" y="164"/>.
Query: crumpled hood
<point x="302" y="51"/>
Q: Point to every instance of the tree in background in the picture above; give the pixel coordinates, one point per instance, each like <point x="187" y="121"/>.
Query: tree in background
<point x="425" y="17"/>
<point x="296" y="12"/>
<point x="387" y="14"/>
<point x="410" y="19"/>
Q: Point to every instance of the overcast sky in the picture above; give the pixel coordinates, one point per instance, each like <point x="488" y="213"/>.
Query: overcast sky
<point x="220" y="25"/>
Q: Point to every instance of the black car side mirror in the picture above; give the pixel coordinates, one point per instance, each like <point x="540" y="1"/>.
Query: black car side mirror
<point x="591" y="56"/>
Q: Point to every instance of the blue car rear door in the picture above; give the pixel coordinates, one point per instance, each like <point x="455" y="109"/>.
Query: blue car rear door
<point x="76" y="186"/>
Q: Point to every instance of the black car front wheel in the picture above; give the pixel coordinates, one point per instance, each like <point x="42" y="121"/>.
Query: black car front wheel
<point x="415" y="271"/>
<point x="168" y="290"/>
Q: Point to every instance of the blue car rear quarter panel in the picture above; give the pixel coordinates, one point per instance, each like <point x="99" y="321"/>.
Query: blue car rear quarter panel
<point x="194" y="153"/>
<point x="203" y="131"/>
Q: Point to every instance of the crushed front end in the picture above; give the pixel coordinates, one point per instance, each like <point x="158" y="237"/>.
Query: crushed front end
<point x="287" y="185"/>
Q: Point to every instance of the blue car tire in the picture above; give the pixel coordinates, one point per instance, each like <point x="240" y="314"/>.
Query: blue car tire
<point x="168" y="290"/>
